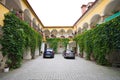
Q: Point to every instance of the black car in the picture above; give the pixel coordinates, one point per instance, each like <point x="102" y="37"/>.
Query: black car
<point x="49" y="53"/>
<point x="69" y="54"/>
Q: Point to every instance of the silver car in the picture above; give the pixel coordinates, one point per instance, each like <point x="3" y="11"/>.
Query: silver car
<point x="69" y="54"/>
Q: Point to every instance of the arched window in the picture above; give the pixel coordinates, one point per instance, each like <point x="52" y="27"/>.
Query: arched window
<point x="27" y="16"/>
<point x="95" y="20"/>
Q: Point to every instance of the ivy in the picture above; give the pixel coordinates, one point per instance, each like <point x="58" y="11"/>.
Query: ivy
<point x="17" y="37"/>
<point x="100" y="41"/>
<point x="80" y="40"/>
<point x="88" y="44"/>
<point x="53" y="42"/>
<point x="64" y="42"/>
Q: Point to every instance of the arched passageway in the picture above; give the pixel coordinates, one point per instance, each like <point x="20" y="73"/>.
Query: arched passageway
<point x="54" y="33"/>
<point x="62" y="33"/>
<point x="47" y="33"/>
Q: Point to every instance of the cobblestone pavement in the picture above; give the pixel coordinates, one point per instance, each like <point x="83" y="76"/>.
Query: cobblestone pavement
<point x="59" y="68"/>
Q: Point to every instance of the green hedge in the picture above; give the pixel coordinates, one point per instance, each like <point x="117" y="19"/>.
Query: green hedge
<point x="101" y="40"/>
<point x="17" y="37"/>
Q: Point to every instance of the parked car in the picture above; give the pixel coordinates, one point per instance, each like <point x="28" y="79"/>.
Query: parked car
<point x="69" y="54"/>
<point x="49" y="53"/>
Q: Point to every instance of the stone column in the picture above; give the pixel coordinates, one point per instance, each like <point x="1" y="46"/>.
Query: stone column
<point x="31" y="23"/>
<point x="22" y="15"/>
<point x="37" y="52"/>
<point x="103" y="18"/>
<point x="67" y="46"/>
<point x="78" y="50"/>
<point x="43" y="47"/>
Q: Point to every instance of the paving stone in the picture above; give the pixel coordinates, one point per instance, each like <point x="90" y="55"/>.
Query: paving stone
<point x="59" y="68"/>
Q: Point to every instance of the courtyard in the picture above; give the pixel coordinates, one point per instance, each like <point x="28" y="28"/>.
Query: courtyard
<point x="93" y="38"/>
<point x="59" y="68"/>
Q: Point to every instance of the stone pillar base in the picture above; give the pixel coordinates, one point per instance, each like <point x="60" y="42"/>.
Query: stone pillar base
<point x="27" y="54"/>
<point x="37" y="52"/>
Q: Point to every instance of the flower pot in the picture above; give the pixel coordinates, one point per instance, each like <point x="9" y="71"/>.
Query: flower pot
<point x="6" y="69"/>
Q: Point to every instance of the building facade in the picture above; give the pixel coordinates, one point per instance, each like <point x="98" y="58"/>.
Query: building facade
<point x="96" y="13"/>
<point x="93" y="13"/>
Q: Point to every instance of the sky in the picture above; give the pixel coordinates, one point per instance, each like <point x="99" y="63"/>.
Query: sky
<point x="58" y="12"/>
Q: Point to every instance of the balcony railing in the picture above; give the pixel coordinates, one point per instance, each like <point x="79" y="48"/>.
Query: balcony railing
<point x="111" y="17"/>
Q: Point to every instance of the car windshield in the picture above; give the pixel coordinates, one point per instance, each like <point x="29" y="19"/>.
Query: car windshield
<point x="49" y="50"/>
<point x="69" y="51"/>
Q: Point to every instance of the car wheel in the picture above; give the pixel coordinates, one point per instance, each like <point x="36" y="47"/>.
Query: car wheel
<point x="52" y="56"/>
<point x="73" y="57"/>
<point x="43" y="56"/>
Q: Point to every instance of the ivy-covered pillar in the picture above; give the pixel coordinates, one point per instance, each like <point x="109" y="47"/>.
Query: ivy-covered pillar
<point x="67" y="46"/>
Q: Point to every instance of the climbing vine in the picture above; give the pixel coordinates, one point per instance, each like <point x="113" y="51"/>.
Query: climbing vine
<point x="100" y="41"/>
<point x="53" y="42"/>
<point x="64" y="42"/>
<point x="17" y="37"/>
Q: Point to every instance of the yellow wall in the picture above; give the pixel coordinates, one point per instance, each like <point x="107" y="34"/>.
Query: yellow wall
<point x="98" y="8"/>
<point x="26" y="6"/>
<point x="58" y="29"/>
<point x="3" y="10"/>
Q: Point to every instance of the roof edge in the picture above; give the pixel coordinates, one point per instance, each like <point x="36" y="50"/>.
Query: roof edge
<point x="34" y="12"/>
<point x="85" y="12"/>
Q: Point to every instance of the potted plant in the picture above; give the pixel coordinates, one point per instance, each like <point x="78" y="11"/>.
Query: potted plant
<point x="7" y="64"/>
